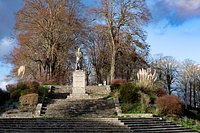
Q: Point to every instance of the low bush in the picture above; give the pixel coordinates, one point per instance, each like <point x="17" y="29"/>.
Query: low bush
<point x="189" y="123"/>
<point x="4" y="96"/>
<point x="22" y="86"/>
<point x="15" y="94"/>
<point x="118" y="81"/>
<point x="129" y="93"/>
<point x="28" y="102"/>
<point x="169" y="105"/>
<point x="198" y="117"/>
<point x="43" y="91"/>
<point x="32" y="84"/>
<point x="28" y="91"/>
<point x="11" y="87"/>
<point x="144" y="101"/>
<point x="115" y="84"/>
<point x="131" y="108"/>
<point x="160" y="92"/>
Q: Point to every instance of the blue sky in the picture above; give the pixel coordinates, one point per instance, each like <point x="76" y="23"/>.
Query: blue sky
<point x="173" y="31"/>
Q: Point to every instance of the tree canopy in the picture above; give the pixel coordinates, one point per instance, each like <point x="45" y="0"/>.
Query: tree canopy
<point x="50" y="31"/>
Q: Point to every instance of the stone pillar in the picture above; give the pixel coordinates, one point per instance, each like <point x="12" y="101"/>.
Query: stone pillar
<point x="79" y="85"/>
<point x="79" y="82"/>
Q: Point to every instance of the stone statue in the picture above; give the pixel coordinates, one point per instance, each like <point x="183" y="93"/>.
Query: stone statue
<point x="79" y="59"/>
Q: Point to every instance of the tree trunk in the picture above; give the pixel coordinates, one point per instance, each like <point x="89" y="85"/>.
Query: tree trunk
<point x="112" y="69"/>
<point x="185" y="96"/>
<point x="194" y="94"/>
<point x="190" y="94"/>
<point x="169" y="89"/>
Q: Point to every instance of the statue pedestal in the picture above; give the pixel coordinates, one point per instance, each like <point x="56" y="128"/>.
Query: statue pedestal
<point x="79" y="84"/>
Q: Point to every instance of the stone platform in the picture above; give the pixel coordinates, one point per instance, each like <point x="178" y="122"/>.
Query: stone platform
<point x="79" y="86"/>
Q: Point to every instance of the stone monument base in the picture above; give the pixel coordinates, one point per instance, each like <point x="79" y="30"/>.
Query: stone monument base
<point x="79" y="84"/>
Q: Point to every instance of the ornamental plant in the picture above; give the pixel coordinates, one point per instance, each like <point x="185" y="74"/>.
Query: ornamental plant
<point x="146" y="77"/>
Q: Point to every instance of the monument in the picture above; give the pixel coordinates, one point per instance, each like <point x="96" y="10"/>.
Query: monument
<point x="79" y="78"/>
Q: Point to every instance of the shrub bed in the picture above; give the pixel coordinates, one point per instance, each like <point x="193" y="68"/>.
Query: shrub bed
<point x="4" y="96"/>
<point x="129" y="93"/>
<point x="28" y="102"/>
<point x="169" y="105"/>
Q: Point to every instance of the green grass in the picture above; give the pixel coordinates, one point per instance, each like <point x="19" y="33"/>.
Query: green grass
<point x="185" y="122"/>
<point x="131" y="108"/>
<point x="189" y="123"/>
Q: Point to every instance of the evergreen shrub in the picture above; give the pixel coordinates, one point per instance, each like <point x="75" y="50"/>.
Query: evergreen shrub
<point x="43" y="91"/>
<point x="15" y="94"/>
<point x="28" y="91"/>
<point x="22" y="86"/>
<point x="32" y="84"/>
<point x="4" y="96"/>
<point x="129" y="93"/>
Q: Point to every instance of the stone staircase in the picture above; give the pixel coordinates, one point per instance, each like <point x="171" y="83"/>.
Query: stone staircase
<point x="93" y="115"/>
<point x="81" y="108"/>
<point x="153" y="125"/>
<point x="61" y="107"/>
<point x="42" y="125"/>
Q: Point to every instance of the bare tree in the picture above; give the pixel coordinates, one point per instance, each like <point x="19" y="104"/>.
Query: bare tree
<point x="47" y="32"/>
<point x="190" y="81"/>
<point x="123" y="20"/>
<point x="167" y="69"/>
<point x="98" y="50"/>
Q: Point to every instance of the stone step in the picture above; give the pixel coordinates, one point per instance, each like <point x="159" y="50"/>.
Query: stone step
<point x="163" y="130"/>
<point x="58" y="131"/>
<point x="79" y="108"/>
<point x="59" y="119"/>
<point x="166" y="131"/>
<point x="59" y="95"/>
<point x="148" y="122"/>
<point x="68" y="128"/>
<point x="62" y="125"/>
<point x="153" y="125"/>
<point x="144" y="124"/>
<point x="138" y="119"/>
<point x="58" y="124"/>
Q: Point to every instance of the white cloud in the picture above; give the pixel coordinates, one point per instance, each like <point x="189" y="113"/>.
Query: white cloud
<point x="188" y="5"/>
<point x="6" y="45"/>
<point x="3" y="84"/>
<point x="3" y="81"/>
<point x="185" y="8"/>
<point x="175" y="12"/>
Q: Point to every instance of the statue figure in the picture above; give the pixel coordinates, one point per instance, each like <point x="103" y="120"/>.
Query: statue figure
<point x="79" y="59"/>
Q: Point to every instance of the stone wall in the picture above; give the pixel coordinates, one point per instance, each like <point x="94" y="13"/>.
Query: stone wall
<point x="98" y="90"/>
